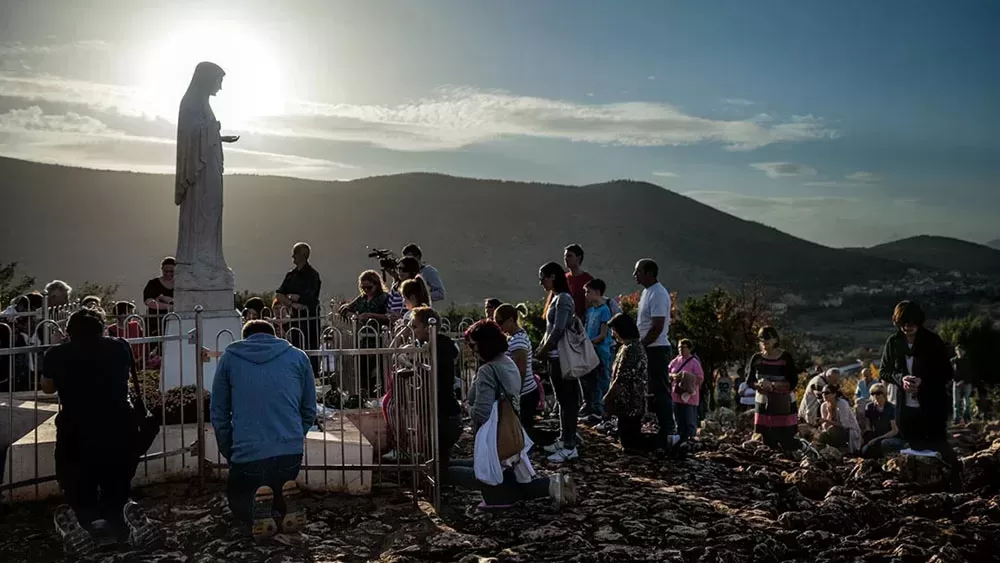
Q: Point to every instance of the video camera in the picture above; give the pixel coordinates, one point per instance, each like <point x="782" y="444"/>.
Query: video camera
<point x="386" y="259"/>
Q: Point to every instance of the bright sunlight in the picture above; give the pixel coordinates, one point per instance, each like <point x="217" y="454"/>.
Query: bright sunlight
<point x="253" y="86"/>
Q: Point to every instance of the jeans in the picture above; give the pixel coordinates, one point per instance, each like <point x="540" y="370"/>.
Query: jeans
<point x="529" y="407"/>
<point x="596" y="385"/>
<point x="460" y="473"/>
<point x="659" y="387"/>
<point x="568" y="396"/>
<point x="245" y="478"/>
<point x="687" y="420"/>
<point x="962" y="397"/>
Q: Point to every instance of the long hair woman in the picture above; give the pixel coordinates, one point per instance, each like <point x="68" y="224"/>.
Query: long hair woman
<point x="773" y="375"/>
<point x="371" y="309"/>
<point x="559" y="314"/>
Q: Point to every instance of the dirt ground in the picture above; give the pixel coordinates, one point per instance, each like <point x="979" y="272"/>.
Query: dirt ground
<point x="731" y="502"/>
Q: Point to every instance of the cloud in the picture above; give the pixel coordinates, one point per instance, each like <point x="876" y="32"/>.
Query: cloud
<point x="32" y="120"/>
<point x="651" y="77"/>
<point x="783" y="169"/>
<point x="75" y="140"/>
<point x="455" y="118"/>
<point x="852" y="180"/>
<point x="851" y="220"/>
<point x="864" y="177"/>
<point x="666" y="174"/>
<point x="737" y="101"/>
<point x="16" y="48"/>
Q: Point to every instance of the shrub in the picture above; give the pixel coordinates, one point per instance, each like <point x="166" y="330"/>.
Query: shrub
<point x="179" y="404"/>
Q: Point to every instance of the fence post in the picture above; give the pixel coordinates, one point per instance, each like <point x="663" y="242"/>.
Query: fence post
<point x="435" y="425"/>
<point x="199" y="371"/>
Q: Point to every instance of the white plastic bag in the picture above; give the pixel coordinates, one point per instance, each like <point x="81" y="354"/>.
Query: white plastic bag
<point x="485" y="461"/>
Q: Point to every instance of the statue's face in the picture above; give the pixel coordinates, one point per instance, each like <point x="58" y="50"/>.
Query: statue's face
<point x="217" y="85"/>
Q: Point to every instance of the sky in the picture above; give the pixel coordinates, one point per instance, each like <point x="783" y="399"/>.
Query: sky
<point x="846" y="123"/>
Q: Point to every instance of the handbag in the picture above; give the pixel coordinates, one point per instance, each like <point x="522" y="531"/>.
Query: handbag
<point x="685" y="384"/>
<point x="577" y="356"/>
<point x="144" y="426"/>
<point x="510" y="434"/>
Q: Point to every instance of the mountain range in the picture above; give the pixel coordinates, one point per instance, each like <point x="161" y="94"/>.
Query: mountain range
<point x="486" y="237"/>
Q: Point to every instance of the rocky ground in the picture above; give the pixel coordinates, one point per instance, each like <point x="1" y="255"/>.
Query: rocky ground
<point x="731" y="502"/>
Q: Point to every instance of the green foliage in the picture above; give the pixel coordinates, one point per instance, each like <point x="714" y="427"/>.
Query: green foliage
<point x="106" y="293"/>
<point x="981" y="340"/>
<point x="12" y="284"/>
<point x="723" y="324"/>
<point x="460" y="315"/>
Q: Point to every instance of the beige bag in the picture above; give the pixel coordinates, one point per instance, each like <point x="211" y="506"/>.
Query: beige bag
<point x="510" y="434"/>
<point x="577" y="356"/>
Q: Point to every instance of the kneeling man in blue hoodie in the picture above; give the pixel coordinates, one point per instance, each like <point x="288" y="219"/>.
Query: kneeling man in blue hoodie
<point x="263" y="404"/>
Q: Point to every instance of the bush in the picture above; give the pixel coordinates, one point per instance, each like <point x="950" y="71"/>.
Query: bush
<point x="179" y="404"/>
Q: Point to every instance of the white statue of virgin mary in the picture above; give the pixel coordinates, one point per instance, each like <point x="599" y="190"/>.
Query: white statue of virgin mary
<point x="198" y="187"/>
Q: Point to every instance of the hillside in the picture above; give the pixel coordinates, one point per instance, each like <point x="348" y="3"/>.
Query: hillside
<point x="995" y="243"/>
<point x="940" y="253"/>
<point x="487" y="237"/>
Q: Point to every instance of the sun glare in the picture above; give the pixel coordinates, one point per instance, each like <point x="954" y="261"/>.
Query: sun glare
<point x="253" y="84"/>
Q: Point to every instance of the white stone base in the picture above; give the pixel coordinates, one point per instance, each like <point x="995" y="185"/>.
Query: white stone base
<point x="219" y="329"/>
<point x="33" y="455"/>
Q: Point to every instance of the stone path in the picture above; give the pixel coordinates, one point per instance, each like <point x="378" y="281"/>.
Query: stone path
<point x="731" y="502"/>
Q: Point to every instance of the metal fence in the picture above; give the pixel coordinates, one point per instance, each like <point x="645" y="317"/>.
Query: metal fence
<point x="376" y="393"/>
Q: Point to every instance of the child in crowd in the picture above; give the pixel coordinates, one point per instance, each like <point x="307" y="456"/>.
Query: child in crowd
<point x="598" y="315"/>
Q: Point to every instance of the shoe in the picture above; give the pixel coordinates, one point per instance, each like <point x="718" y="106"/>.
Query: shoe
<point x="264" y="525"/>
<point x="77" y="542"/>
<point x="294" y="520"/>
<point x="141" y="530"/>
<point x="562" y="489"/>
<point x="553" y="447"/>
<point x="563" y="455"/>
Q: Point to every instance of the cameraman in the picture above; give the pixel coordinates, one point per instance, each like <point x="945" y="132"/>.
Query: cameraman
<point x="428" y="272"/>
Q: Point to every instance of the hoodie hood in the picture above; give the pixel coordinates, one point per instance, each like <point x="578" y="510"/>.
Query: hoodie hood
<point x="259" y="348"/>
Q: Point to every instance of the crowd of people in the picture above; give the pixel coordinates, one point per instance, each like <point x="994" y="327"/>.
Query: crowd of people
<point x="263" y="399"/>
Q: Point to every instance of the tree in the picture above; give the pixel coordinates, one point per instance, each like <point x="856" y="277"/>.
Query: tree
<point x="106" y="293"/>
<point x="11" y="284"/>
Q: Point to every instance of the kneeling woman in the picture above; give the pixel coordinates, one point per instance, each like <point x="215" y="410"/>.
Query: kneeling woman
<point x="497" y="378"/>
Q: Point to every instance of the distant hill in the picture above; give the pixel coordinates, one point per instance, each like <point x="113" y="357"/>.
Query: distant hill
<point x="487" y="237"/>
<point x="995" y="243"/>
<point x="940" y="253"/>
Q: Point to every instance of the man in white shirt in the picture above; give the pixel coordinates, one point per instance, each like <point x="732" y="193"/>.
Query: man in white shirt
<point x="654" y="324"/>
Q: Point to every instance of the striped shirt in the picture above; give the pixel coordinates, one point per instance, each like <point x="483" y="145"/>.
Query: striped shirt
<point x="395" y="300"/>
<point x="519" y="341"/>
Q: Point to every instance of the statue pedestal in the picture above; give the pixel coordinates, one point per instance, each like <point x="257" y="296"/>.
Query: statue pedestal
<point x="220" y="327"/>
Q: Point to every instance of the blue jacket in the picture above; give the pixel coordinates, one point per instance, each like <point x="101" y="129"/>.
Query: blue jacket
<point x="263" y="399"/>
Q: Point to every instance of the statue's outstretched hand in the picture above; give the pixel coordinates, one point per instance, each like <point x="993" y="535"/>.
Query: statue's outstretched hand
<point x="230" y="138"/>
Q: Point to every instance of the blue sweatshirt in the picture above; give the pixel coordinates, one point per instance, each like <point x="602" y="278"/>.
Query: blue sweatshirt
<point x="263" y="399"/>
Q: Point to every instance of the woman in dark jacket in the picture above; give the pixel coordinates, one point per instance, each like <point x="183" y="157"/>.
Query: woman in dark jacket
<point x="917" y="360"/>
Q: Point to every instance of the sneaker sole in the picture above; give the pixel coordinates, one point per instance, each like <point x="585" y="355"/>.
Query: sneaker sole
<point x="264" y="525"/>
<point x="76" y="540"/>
<point x="294" y="520"/>
<point x="142" y="530"/>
